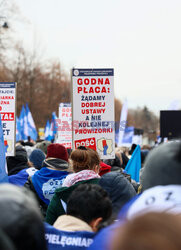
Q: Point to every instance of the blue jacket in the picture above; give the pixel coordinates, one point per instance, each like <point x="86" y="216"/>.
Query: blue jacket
<point x="21" y="177"/>
<point x="58" y="239"/>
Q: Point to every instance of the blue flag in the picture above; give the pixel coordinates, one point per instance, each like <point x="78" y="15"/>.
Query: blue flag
<point x="18" y="129"/>
<point x="53" y="128"/>
<point x="134" y="164"/>
<point x="128" y="136"/>
<point x="47" y="131"/>
<point x="31" y="125"/>
<point x="3" y="174"/>
<point x="23" y="124"/>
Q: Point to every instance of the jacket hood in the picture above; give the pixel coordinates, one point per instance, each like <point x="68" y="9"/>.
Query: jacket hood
<point x="119" y="189"/>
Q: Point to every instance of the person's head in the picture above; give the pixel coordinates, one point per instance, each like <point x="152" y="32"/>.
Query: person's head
<point x="113" y="162"/>
<point x="94" y="160"/>
<point x="90" y="203"/>
<point x="85" y="158"/>
<point x="56" y="150"/>
<point x="43" y="145"/>
<point x="163" y="166"/>
<point x="153" y="231"/>
<point x="37" y="157"/>
<point x="20" y="157"/>
<point x="119" y="189"/>
<point x="20" y="218"/>
<point x="56" y="164"/>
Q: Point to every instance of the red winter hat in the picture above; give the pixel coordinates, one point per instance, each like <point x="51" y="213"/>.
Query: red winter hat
<point x="56" y="150"/>
<point x="104" y="168"/>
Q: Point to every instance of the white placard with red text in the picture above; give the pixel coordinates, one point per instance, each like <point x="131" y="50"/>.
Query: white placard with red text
<point x="8" y="115"/>
<point x="64" y="125"/>
<point x="93" y="110"/>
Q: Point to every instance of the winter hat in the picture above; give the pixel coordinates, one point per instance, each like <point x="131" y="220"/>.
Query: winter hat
<point x="29" y="150"/>
<point x="163" y="166"/>
<point x="37" y="157"/>
<point x="56" y="150"/>
<point x="104" y="168"/>
<point x="20" y="158"/>
<point x="20" y="217"/>
<point x="43" y="146"/>
<point x="56" y="163"/>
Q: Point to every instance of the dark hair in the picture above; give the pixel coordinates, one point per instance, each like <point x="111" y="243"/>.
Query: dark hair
<point x="153" y="231"/>
<point x="89" y="202"/>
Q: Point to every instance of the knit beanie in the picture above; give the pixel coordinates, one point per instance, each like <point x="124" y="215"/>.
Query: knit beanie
<point x="56" y="163"/>
<point x="37" y="157"/>
<point x="56" y="150"/>
<point x="163" y="166"/>
<point x="43" y="146"/>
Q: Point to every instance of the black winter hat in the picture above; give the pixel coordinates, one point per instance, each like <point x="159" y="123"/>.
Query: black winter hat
<point x="20" y="218"/>
<point x="163" y="166"/>
<point x="113" y="162"/>
<point x="18" y="161"/>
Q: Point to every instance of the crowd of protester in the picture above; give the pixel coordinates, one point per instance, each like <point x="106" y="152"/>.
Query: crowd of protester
<point x="59" y="198"/>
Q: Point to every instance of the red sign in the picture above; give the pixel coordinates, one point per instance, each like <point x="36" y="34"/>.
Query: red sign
<point x="88" y="142"/>
<point x="7" y="116"/>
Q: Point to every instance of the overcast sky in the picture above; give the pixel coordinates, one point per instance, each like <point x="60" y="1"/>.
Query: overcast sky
<point x="140" y="39"/>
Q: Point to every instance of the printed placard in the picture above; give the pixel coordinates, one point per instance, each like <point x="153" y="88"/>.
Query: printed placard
<point x="8" y="115"/>
<point x="64" y="125"/>
<point x="93" y="109"/>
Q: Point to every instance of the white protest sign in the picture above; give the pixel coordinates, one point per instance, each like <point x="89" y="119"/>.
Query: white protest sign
<point x="8" y="115"/>
<point x="93" y="110"/>
<point x="64" y="125"/>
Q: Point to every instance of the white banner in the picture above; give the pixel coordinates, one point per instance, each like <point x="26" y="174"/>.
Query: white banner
<point x="64" y="125"/>
<point x="93" y="110"/>
<point x="8" y="115"/>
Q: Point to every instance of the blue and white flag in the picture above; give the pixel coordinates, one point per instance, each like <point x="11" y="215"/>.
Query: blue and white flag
<point x="24" y="124"/>
<point x="18" y="129"/>
<point x="134" y="164"/>
<point x="53" y="128"/>
<point x="3" y="173"/>
<point x="128" y="136"/>
<point x="123" y="121"/>
<point x="31" y="125"/>
<point x="47" y="131"/>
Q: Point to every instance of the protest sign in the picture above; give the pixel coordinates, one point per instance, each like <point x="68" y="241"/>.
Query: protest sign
<point x="64" y="125"/>
<point x="8" y="115"/>
<point x="93" y="110"/>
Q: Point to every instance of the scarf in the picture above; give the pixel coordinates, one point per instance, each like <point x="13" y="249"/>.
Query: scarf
<point x="80" y="176"/>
